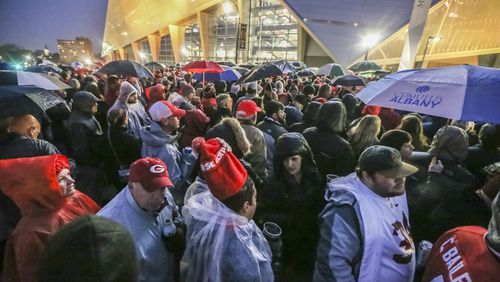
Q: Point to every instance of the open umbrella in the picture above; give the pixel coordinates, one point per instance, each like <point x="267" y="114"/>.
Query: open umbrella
<point x="284" y="66"/>
<point x="305" y="72"/>
<point x="350" y="80"/>
<point x="30" y="78"/>
<point x="241" y="70"/>
<point x="27" y="100"/>
<point x="202" y="67"/>
<point x="365" y="66"/>
<point x="263" y="71"/>
<point x="155" y="66"/>
<point x="465" y="92"/>
<point x="247" y="66"/>
<point x="6" y="66"/>
<point x="229" y="74"/>
<point x="44" y="69"/>
<point x="331" y="70"/>
<point x="126" y="67"/>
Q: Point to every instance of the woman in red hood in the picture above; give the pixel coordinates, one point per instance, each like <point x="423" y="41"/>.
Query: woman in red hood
<point x="44" y="191"/>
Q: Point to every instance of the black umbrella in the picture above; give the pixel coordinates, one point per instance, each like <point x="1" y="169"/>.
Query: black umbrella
<point x="247" y="66"/>
<point x="365" y="66"/>
<point x="155" y="66"/>
<point x="284" y="66"/>
<point x="350" y="80"/>
<point x="260" y="72"/>
<point x="27" y="100"/>
<point x="242" y="71"/>
<point x="126" y="67"/>
<point x="305" y="73"/>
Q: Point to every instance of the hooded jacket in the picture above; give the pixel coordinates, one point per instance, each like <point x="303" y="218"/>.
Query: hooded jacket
<point x="156" y="143"/>
<point x="85" y="134"/>
<point x="294" y="206"/>
<point x="363" y="236"/>
<point x="137" y="116"/>
<point x="105" y="252"/>
<point x="333" y="154"/>
<point x="44" y="210"/>
<point x="309" y="119"/>
<point x="195" y="125"/>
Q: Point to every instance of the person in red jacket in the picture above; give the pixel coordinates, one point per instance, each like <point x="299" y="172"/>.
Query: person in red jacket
<point x="467" y="253"/>
<point x="43" y="190"/>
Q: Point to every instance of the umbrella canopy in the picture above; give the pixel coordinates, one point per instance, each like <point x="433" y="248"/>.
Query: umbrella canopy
<point x="284" y="66"/>
<point x="229" y="64"/>
<point x="305" y="72"/>
<point x="27" y="100"/>
<point x="263" y="71"/>
<point x="466" y="93"/>
<point x="241" y="70"/>
<point x="6" y="66"/>
<point x="155" y="66"/>
<point x="202" y="67"/>
<point x="229" y="74"/>
<point x="365" y="66"/>
<point x="44" y="69"/>
<point x="30" y="78"/>
<point x="247" y="66"/>
<point x="331" y="70"/>
<point x="350" y="80"/>
<point x="76" y="65"/>
<point x="126" y="67"/>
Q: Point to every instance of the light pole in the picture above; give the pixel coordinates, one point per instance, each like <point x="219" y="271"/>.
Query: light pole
<point x="430" y="39"/>
<point x="368" y="42"/>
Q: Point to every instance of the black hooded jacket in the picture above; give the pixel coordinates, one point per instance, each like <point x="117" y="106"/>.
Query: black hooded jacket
<point x="294" y="206"/>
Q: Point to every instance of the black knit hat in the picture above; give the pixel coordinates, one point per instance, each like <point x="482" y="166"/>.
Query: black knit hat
<point x="395" y="138"/>
<point x="90" y="248"/>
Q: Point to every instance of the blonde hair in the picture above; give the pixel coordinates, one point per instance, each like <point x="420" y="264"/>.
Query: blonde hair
<point x="365" y="133"/>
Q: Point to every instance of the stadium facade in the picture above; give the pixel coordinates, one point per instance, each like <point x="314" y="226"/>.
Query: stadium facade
<point x="313" y="31"/>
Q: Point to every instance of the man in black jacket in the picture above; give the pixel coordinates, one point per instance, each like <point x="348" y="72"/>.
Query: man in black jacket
<point x="20" y="142"/>
<point x="273" y="126"/>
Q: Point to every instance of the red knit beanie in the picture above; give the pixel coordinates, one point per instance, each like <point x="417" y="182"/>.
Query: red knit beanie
<point x="223" y="172"/>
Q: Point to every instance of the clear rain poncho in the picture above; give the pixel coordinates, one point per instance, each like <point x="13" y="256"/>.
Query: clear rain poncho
<point x="222" y="245"/>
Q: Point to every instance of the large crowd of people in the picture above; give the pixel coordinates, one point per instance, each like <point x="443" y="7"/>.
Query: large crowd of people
<point x="184" y="178"/>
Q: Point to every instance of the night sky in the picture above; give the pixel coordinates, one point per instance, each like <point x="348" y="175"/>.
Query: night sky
<point x="31" y="24"/>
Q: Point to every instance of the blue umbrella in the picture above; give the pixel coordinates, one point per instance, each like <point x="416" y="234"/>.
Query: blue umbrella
<point x="228" y="74"/>
<point x="465" y="92"/>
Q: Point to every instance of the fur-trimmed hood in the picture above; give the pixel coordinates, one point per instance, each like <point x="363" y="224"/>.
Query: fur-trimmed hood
<point x="231" y="131"/>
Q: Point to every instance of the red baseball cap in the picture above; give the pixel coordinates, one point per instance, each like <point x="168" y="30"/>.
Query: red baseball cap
<point x="151" y="173"/>
<point x="246" y="109"/>
<point x="223" y="172"/>
<point x="165" y="109"/>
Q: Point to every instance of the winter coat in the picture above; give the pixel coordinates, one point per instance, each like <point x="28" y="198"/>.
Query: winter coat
<point x="294" y="206"/>
<point x="137" y="116"/>
<point x="272" y="131"/>
<point x="195" y="125"/>
<point x="44" y="211"/>
<point x="258" y="152"/>
<point x="156" y="262"/>
<point x="222" y="245"/>
<point x="293" y="115"/>
<point x="333" y="154"/>
<point x="104" y="251"/>
<point x="219" y="114"/>
<point x="85" y="133"/>
<point x="156" y="143"/>
<point x="309" y="118"/>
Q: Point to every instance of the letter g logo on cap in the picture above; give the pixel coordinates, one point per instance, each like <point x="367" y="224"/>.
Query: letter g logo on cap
<point x="157" y="169"/>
